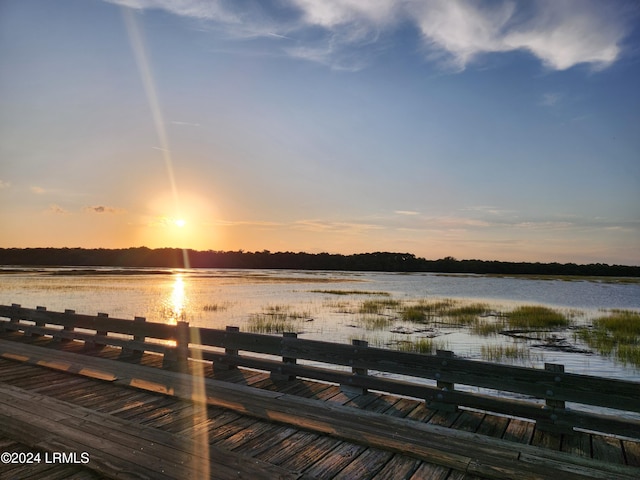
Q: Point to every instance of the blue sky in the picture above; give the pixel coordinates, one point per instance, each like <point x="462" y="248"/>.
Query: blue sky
<point x="477" y="129"/>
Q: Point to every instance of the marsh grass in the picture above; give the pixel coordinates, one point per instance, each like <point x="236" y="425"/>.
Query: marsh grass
<point x="352" y="292"/>
<point x="378" y="306"/>
<point x="261" y="324"/>
<point x="447" y="311"/>
<point x="427" y="346"/>
<point x="467" y="314"/>
<point x="339" y="306"/>
<point x="498" y="353"/>
<point x="486" y="328"/>
<point x="374" y="322"/>
<point x="276" y="319"/>
<point x="426" y="310"/>
<point x="216" y="307"/>
<point x="617" y="334"/>
<point x="413" y="314"/>
<point x="536" y="317"/>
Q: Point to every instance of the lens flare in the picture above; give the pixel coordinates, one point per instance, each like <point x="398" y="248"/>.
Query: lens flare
<point x="137" y="44"/>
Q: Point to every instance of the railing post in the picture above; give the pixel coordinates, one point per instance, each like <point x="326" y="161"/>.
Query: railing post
<point x="90" y="344"/>
<point x="13" y="319"/>
<point x="229" y="353"/>
<point x="348" y="387"/>
<point x="550" y="402"/>
<point x="39" y="323"/>
<point x="136" y="352"/>
<point x="439" y="402"/>
<point x="177" y="359"/>
<point x="555" y="405"/>
<point x="68" y="328"/>
<point x="278" y="376"/>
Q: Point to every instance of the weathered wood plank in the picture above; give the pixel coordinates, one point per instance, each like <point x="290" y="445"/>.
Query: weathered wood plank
<point x="334" y="461"/>
<point x="150" y="452"/>
<point x="546" y="439"/>
<point x="631" y="452"/>
<point x="607" y="449"/>
<point x="493" y="426"/>
<point x="275" y="435"/>
<point x="236" y="441"/>
<point x="577" y="444"/>
<point x="311" y="454"/>
<point x="430" y="472"/>
<point x="365" y="466"/>
<point x="287" y="448"/>
<point x="220" y="435"/>
<point x="519" y="431"/>
<point x="399" y="466"/>
<point x="468" y="421"/>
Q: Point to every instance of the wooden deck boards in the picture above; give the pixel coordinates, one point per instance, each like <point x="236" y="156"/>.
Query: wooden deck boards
<point x="314" y="454"/>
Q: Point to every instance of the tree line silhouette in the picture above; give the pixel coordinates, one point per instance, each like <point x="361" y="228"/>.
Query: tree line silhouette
<point x="377" y="261"/>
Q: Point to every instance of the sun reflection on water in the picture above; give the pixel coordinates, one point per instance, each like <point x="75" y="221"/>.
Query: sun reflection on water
<point x="175" y="305"/>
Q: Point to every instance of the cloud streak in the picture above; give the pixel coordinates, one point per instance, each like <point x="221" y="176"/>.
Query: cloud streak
<point x="56" y="210"/>
<point x="454" y="33"/>
<point x="101" y="209"/>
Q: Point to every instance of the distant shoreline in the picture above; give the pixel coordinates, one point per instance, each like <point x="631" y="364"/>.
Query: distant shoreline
<point x="144" y="257"/>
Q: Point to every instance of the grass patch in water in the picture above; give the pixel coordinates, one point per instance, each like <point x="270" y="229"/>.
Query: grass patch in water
<point x="425" y="310"/>
<point x="427" y="346"/>
<point x="536" y="317"/>
<point x="467" y="314"/>
<point x="261" y="324"/>
<point x="448" y="311"/>
<point x="215" y="307"/>
<point x="617" y="334"/>
<point x="352" y="292"/>
<point x="413" y="314"/>
<point x="377" y="306"/>
<point x="374" y="322"/>
<point x="486" y="328"/>
<point x="498" y="353"/>
<point x="276" y="319"/>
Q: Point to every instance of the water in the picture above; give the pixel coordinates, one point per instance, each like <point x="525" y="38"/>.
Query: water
<point x="216" y="298"/>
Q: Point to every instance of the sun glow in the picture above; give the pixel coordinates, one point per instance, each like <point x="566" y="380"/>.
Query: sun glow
<point x="180" y="222"/>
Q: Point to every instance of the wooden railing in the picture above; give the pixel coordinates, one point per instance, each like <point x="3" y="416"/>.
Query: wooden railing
<point x="442" y="380"/>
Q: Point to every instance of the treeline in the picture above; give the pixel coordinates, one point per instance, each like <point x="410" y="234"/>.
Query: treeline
<point x="378" y="261"/>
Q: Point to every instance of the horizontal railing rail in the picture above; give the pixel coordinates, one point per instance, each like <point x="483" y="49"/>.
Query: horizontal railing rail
<point x="543" y="393"/>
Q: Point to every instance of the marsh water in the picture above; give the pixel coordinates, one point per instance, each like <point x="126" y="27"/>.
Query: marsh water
<point x="328" y="305"/>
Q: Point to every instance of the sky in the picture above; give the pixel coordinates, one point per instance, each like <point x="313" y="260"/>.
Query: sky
<point x="494" y="130"/>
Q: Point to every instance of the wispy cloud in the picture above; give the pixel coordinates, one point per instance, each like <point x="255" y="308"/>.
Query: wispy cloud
<point x="101" y="209"/>
<point x="37" y="190"/>
<point x="544" y="225"/>
<point x="187" y="124"/>
<point x="456" y="33"/>
<point x="238" y="223"/>
<point x="407" y="212"/>
<point x="332" y="226"/>
<point x="561" y="33"/>
<point x="489" y="209"/>
<point x="57" y="210"/>
<point x="4" y="184"/>
<point x="550" y="99"/>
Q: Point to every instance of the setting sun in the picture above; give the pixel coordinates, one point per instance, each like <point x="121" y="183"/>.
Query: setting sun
<point x="179" y="222"/>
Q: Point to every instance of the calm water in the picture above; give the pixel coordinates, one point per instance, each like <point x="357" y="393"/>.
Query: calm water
<point x="217" y="298"/>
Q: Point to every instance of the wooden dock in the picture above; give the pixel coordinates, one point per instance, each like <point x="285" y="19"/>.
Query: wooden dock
<point x="132" y="418"/>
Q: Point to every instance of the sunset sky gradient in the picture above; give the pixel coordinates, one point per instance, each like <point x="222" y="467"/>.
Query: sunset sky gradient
<point x="477" y="129"/>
